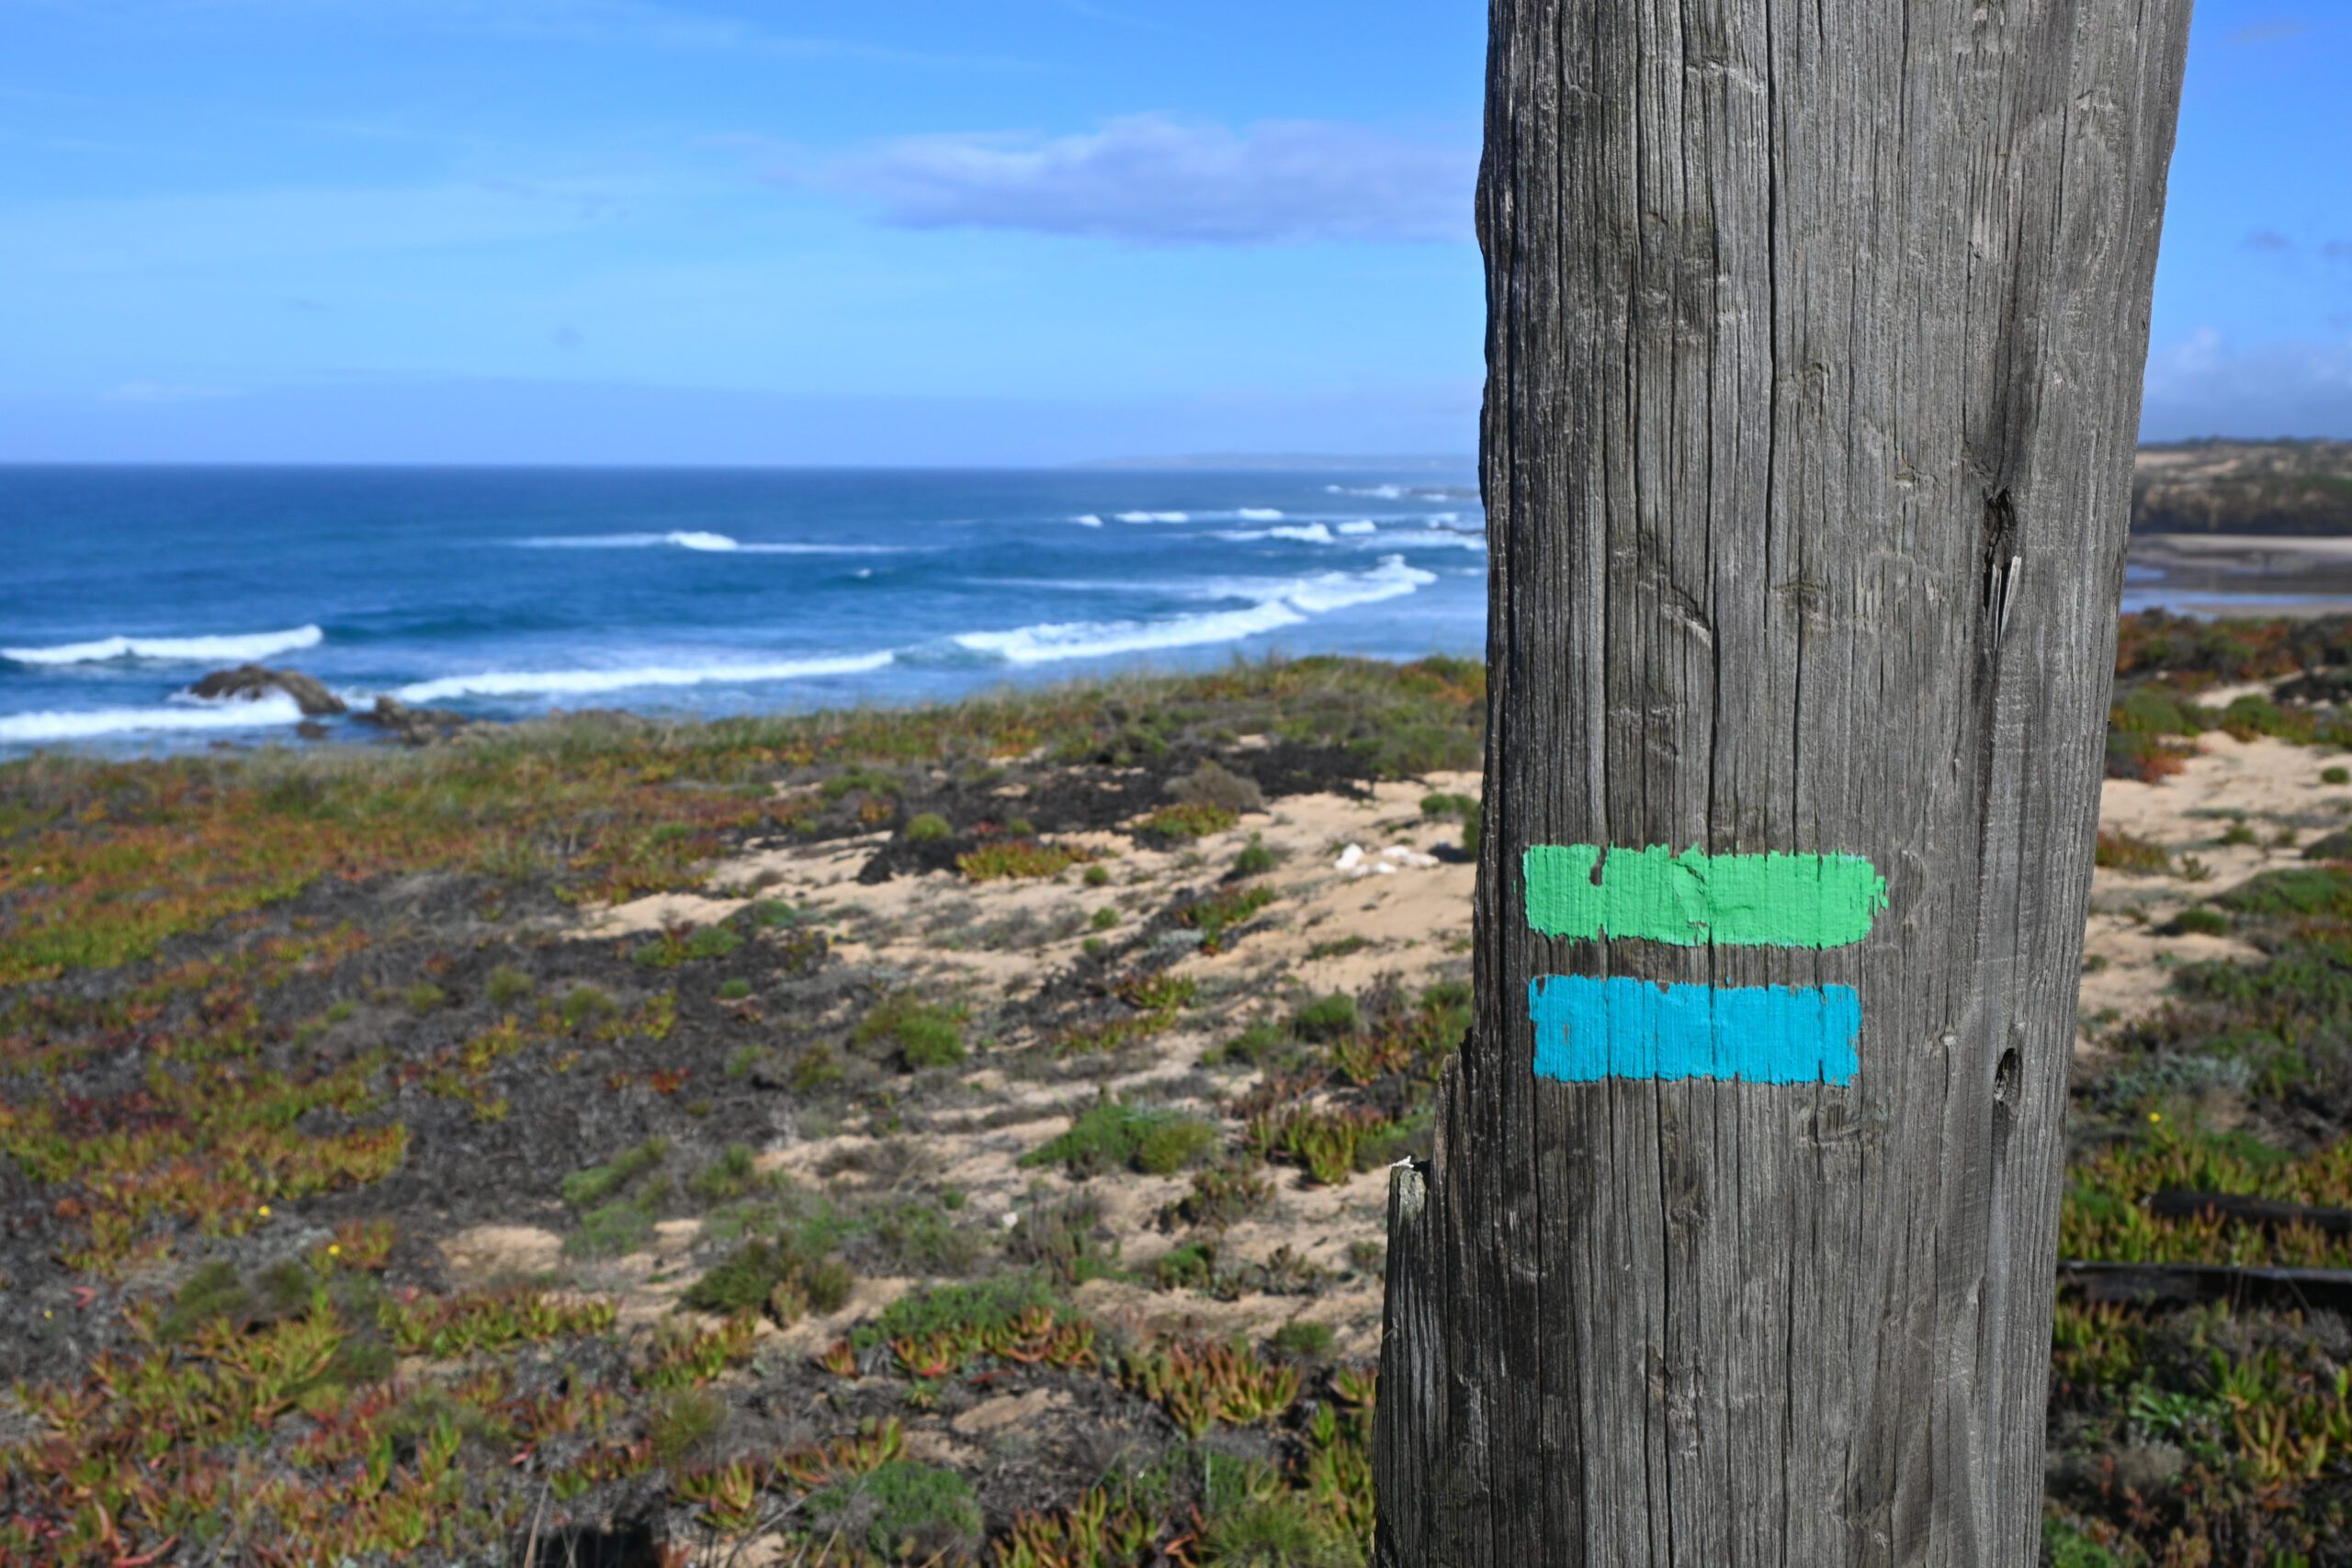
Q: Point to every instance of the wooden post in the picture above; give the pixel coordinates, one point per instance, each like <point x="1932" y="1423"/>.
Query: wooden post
<point x="1816" y="330"/>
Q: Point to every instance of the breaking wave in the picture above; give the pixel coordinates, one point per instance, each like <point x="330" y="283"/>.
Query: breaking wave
<point x="95" y="723"/>
<point x="697" y="539"/>
<point x="234" y="648"/>
<point x="577" y="682"/>
<point x="1280" y="603"/>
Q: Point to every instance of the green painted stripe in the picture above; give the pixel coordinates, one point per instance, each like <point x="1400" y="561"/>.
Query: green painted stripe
<point x="1654" y="895"/>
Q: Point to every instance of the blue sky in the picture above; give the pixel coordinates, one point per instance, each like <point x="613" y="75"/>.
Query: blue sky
<point x="902" y="231"/>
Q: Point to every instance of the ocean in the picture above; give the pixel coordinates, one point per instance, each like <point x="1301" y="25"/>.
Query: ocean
<point x="509" y="592"/>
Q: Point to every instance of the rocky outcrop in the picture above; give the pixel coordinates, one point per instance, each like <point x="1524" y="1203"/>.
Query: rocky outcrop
<point x="413" y="727"/>
<point x="251" y="683"/>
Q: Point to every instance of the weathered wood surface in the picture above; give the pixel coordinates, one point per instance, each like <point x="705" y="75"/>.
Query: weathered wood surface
<point x="1816" y="336"/>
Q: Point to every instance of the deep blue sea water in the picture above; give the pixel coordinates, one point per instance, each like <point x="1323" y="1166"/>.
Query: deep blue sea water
<point x="514" y="592"/>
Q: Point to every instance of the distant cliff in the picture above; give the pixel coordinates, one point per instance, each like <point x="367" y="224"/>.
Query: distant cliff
<point x="2244" y="487"/>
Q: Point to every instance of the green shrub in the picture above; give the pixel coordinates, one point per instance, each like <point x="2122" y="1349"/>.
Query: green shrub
<point x="2201" y="922"/>
<point x="425" y="996"/>
<point x="214" y="1293"/>
<point x="1215" y="788"/>
<point x="743" y="1282"/>
<point x="1113" y="1134"/>
<point x="1169" y="1147"/>
<point x="585" y="1004"/>
<point x="928" y="829"/>
<point x="981" y="1308"/>
<point x="922" y="1239"/>
<point x="1020" y="858"/>
<point x="1255" y="858"/>
<point x="1254" y="1046"/>
<point x="769" y="913"/>
<point x="921" y="1513"/>
<point x="860" y="781"/>
<point x="1279" y="1531"/>
<point x="828" y="1282"/>
<point x="728" y="1178"/>
<point x="2336" y="776"/>
<point x="1097" y="876"/>
<point x="734" y="990"/>
<point x="673" y="948"/>
<point x="2119" y="850"/>
<point x="1104" y="919"/>
<point x="1301" y="1341"/>
<point x="1065" y="1235"/>
<point x="682" y="1421"/>
<point x="611" y="1230"/>
<point x="2331" y="846"/>
<point x="1182" y="822"/>
<point x="1463" y="809"/>
<point x="585" y="1188"/>
<point x="927" y="1035"/>
<point x="1221" y="1195"/>
<point x="2320" y="891"/>
<point x="774" y="1277"/>
<point x="1333" y="1017"/>
<point x="815" y="1068"/>
<point x="1191" y="1266"/>
<point x="1215" y="915"/>
<point x="507" y="986"/>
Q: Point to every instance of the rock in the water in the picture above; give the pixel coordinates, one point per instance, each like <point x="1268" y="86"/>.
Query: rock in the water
<point x="251" y="683"/>
<point x="413" y="727"/>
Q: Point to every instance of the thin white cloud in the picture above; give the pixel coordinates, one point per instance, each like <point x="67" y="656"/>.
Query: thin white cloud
<point x="624" y="24"/>
<point x="212" y="227"/>
<point x="2274" y="31"/>
<point x="149" y="394"/>
<point x="1154" y="180"/>
<point x="2206" y="384"/>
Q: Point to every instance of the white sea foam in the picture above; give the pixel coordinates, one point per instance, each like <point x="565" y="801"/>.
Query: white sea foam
<point x="1305" y="533"/>
<point x="1095" y="640"/>
<point x="1383" y="492"/>
<point x="1155" y="517"/>
<point x="234" y="648"/>
<point x="577" y="682"/>
<point x="1280" y="602"/>
<point x="1448" y="517"/>
<point x="1261" y="514"/>
<point x="697" y="539"/>
<point x="1432" y="539"/>
<point x="94" y="723"/>
<point x="1088" y="520"/>
<point x="1338" y="590"/>
<point x="1365" y="525"/>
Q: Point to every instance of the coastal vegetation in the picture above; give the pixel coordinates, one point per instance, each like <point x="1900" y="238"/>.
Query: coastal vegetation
<point x="633" y="1140"/>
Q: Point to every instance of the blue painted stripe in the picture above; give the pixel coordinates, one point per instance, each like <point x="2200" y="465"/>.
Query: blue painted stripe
<point x="1587" y="1031"/>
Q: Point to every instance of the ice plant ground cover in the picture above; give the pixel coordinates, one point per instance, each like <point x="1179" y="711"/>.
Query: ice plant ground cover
<point x="644" y="1139"/>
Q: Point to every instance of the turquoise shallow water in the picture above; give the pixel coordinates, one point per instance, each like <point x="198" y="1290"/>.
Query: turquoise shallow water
<point x="506" y="592"/>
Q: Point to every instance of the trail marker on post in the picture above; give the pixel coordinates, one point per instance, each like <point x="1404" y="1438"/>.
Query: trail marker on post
<point x="1815" y="342"/>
